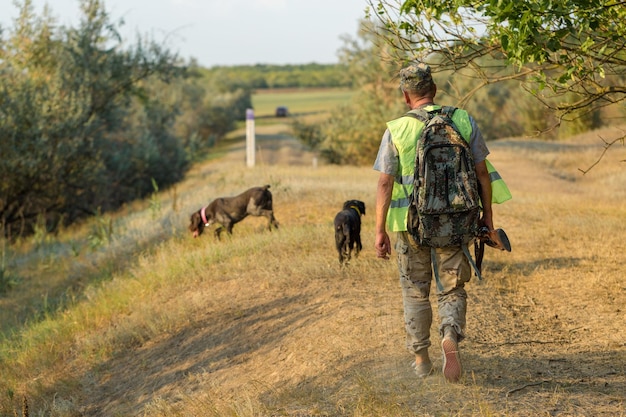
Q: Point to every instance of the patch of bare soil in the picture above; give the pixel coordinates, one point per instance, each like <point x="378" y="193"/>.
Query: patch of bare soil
<point x="546" y="332"/>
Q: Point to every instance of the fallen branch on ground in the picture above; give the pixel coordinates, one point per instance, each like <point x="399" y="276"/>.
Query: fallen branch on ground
<point x="545" y="381"/>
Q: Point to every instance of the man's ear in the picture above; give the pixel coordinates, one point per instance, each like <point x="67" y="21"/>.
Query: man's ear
<point x="407" y="98"/>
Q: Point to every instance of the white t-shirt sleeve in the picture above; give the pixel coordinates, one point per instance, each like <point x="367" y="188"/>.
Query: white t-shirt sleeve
<point x="387" y="160"/>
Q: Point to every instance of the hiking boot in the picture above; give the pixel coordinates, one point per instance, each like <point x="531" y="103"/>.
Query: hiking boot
<point x="451" y="360"/>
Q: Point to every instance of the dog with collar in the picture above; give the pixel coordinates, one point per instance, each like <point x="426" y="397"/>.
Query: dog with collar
<point x="348" y="230"/>
<point x="227" y="211"/>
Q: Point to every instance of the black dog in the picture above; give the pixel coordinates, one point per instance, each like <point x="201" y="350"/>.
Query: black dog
<point x="228" y="211"/>
<point x="348" y="229"/>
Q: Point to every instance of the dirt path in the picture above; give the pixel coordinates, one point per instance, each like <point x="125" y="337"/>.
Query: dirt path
<point x="545" y="328"/>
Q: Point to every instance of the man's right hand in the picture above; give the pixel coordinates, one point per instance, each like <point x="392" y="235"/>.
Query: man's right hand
<point x="383" y="245"/>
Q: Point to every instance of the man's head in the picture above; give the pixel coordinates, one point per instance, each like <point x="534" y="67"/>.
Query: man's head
<point x="417" y="81"/>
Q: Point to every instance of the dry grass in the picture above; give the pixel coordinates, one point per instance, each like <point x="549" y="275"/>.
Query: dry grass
<point x="267" y="324"/>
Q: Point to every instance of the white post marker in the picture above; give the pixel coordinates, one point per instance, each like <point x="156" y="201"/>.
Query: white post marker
<point x="250" y="140"/>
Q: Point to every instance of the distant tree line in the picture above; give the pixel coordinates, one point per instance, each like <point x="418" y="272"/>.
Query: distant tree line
<point x="262" y="76"/>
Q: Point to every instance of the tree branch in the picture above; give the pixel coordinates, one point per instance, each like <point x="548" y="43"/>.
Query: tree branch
<point x="607" y="145"/>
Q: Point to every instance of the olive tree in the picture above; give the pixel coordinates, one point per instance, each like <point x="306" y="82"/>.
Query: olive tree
<point x="66" y="97"/>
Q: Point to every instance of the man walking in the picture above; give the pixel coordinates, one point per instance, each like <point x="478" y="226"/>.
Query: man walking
<point x="396" y="162"/>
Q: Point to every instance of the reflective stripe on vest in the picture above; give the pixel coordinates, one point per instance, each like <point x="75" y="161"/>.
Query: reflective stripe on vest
<point x="499" y="191"/>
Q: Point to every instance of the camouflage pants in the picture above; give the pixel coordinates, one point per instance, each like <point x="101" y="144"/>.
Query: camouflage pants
<point x="416" y="274"/>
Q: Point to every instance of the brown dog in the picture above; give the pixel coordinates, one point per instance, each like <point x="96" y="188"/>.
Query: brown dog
<point x="227" y="211"/>
<point x="348" y="229"/>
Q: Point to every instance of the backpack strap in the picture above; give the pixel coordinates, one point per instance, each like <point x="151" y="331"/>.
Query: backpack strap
<point x="421" y="115"/>
<point x="479" y="253"/>
<point x="424" y="117"/>
<point x="435" y="267"/>
<point x="471" y="261"/>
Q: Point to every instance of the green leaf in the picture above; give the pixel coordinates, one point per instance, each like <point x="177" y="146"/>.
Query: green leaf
<point x="504" y="41"/>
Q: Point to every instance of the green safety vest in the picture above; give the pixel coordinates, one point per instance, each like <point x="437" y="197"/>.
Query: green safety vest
<point x="404" y="133"/>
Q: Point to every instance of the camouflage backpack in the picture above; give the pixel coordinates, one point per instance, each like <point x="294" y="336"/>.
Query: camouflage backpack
<point x="444" y="208"/>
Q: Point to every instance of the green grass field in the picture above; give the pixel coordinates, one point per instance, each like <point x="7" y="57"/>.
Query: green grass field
<point x="299" y="101"/>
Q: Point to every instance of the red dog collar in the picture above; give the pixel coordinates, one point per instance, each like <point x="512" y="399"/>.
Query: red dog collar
<point x="203" y="215"/>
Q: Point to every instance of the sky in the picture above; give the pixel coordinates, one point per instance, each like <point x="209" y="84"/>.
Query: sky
<point x="226" y="32"/>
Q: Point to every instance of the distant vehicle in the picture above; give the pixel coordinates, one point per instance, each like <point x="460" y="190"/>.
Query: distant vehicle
<point x="281" y="111"/>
